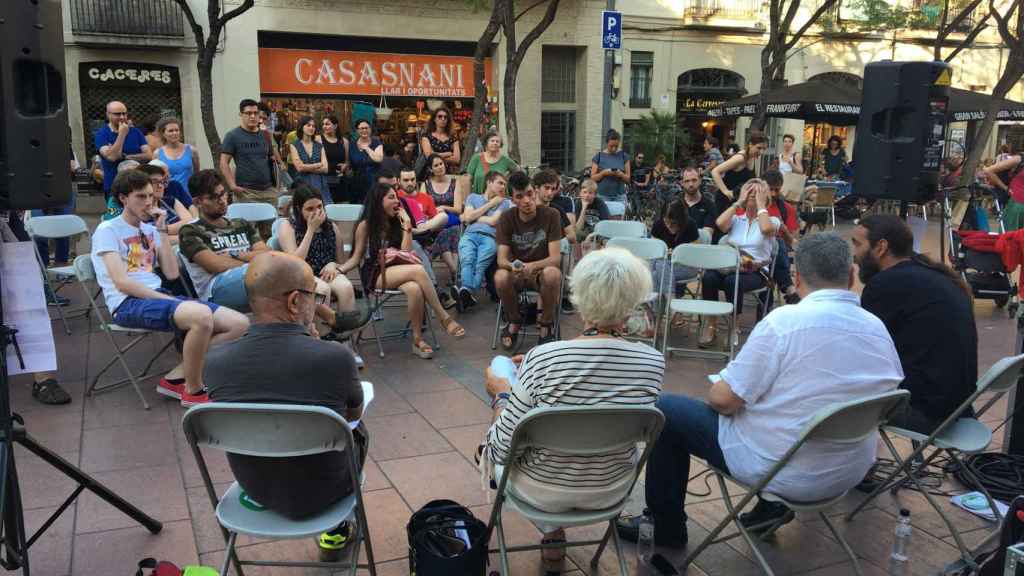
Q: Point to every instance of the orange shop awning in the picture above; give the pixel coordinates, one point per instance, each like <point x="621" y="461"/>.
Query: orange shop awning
<point x="288" y="71"/>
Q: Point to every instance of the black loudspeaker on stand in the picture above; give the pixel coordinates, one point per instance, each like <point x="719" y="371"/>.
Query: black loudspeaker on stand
<point x="34" y="158"/>
<point x="901" y="130"/>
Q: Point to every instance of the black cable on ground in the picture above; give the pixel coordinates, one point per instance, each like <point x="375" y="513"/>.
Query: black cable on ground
<point x="1001" y="474"/>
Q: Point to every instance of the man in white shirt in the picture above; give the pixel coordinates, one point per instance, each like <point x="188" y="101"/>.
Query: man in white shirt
<point x="125" y="252"/>
<point x="798" y="359"/>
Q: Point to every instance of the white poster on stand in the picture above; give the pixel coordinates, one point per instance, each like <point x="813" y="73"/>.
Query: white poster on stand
<point x="24" y="309"/>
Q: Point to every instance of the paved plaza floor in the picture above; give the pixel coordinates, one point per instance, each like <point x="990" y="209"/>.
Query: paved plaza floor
<point x="426" y="420"/>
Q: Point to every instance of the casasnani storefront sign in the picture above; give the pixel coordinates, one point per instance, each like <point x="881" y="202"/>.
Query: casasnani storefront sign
<point x="288" y="71"/>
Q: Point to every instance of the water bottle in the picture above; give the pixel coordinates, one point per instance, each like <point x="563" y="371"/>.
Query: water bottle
<point x="898" y="559"/>
<point x="645" y="540"/>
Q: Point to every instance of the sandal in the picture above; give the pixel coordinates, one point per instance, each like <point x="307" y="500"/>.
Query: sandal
<point x="553" y="559"/>
<point x="453" y="328"/>
<point x="511" y="337"/>
<point x="422" y="349"/>
<point x="679" y="321"/>
<point x="49" y="392"/>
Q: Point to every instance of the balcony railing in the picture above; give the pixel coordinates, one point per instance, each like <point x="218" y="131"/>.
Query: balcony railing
<point x="907" y="14"/>
<point x="724" y="9"/>
<point x="130" y="18"/>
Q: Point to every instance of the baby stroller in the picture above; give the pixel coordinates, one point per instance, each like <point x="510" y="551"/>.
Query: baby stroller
<point x="973" y="255"/>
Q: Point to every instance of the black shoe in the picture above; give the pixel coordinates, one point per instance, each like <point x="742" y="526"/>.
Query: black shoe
<point x="49" y="392"/>
<point x="567" y="307"/>
<point x="467" y="298"/>
<point x="447" y="302"/>
<point x="352" y="319"/>
<point x="766" y="517"/>
<point x="453" y="293"/>
<point x="629" y="530"/>
<point x="791" y="298"/>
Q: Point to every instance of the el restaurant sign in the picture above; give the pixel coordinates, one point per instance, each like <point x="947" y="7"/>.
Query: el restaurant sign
<point x="288" y="71"/>
<point x="127" y="74"/>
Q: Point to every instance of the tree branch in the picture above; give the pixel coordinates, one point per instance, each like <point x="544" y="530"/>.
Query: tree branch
<point x="826" y="5"/>
<point x="237" y="11"/>
<point x="1003" y="25"/>
<point x="197" y="30"/>
<point x="787" y="21"/>
<point x="528" y="8"/>
<point x="549" y="17"/>
<point x="969" y="39"/>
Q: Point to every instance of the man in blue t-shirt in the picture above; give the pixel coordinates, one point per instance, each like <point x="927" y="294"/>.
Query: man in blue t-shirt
<point x="118" y="141"/>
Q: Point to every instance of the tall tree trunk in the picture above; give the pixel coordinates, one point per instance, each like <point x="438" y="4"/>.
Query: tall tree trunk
<point x="204" y="66"/>
<point x="206" y="47"/>
<point x="514" y="56"/>
<point x="1011" y="75"/>
<point x="508" y="86"/>
<point x="483" y="48"/>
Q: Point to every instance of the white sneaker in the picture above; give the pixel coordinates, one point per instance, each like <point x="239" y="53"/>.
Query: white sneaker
<point x="359" y="361"/>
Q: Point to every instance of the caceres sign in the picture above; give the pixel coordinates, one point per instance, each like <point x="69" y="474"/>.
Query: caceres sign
<point x="127" y="74"/>
<point x="288" y="71"/>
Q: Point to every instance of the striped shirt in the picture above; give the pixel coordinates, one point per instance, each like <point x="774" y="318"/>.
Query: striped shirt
<point x="587" y="372"/>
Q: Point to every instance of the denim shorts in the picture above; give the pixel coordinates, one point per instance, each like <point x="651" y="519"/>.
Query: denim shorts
<point x="151" y="313"/>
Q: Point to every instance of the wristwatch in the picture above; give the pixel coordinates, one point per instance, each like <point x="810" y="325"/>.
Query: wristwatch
<point x="501" y="398"/>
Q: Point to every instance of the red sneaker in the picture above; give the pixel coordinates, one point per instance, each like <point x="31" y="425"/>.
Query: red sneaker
<point x="189" y="399"/>
<point x="171" y="388"/>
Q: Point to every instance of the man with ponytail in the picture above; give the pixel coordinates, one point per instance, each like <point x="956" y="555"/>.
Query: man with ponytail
<point x="929" y="312"/>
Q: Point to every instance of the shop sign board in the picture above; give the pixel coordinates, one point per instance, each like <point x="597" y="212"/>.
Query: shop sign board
<point x="699" y="104"/>
<point x="289" y="71"/>
<point x="127" y="74"/>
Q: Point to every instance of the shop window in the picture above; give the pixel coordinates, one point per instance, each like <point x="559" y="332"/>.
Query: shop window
<point x="558" y="74"/>
<point x="558" y="140"/>
<point x="640" y="66"/>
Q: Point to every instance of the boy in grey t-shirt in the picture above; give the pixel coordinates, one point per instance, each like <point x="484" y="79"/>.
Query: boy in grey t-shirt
<point x="251" y="149"/>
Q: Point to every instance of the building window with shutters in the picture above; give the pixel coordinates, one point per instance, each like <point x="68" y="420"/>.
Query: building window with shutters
<point x="558" y="74"/>
<point x="640" y="66"/>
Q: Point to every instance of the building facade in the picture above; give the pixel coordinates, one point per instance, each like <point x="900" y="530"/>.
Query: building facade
<point x="404" y="58"/>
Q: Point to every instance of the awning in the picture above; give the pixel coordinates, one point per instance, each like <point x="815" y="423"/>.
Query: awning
<point x="813" y="101"/>
<point x="965" y="106"/>
<point x="817" y="101"/>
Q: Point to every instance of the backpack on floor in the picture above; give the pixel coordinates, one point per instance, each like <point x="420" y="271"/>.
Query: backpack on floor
<point x="154" y="567"/>
<point x="445" y="539"/>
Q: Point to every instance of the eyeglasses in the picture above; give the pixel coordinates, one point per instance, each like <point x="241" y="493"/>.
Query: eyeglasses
<point x="118" y="113"/>
<point x="442" y="117"/>
<point x="161" y="182"/>
<point x="256" y="113"/>
<point x="302" y="290"/>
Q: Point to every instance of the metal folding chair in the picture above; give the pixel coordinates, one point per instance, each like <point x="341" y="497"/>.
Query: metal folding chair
<point x="705" y="257"/>
<point x="526" y="296"/>
<point x="253" y="212"/>
<point x="847" y="422"/>
<point x="609" y="229"/>
<point x="575" y="431"/>
<point x="652" y="251"/>
<point x="84" y="272"/>
<point x="956" y="435"/>
<point x="277" y="431"/>
<point x="57" y="227"/>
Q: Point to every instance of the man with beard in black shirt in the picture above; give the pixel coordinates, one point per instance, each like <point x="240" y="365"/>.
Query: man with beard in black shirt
<point x="929" y="313"/>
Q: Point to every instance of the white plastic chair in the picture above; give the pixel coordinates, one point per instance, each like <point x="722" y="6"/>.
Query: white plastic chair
<point x="575" y="431"/>
<point x="253" y="212"/>
<point x="277" y="431"/>
<point x="841" y="423"/>
<point x="651" y="250"/>
<point x="344" y="213"/>
<point x="57" y="227"/>
<point x="705" y="257"/>
<point x="84" y="272"/>
<point x="615" y="208"/>
<point x="955" y="436"/>
<point x="283" y="200"/>
<point x="609" y="229"/>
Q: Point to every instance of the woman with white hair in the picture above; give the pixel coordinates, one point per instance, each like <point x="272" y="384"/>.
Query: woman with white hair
<point x="597" y="368"/>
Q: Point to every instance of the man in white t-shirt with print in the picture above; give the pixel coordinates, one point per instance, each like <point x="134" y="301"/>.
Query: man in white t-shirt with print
<point x="125" y="252"/>
<point x="798" y="360"/>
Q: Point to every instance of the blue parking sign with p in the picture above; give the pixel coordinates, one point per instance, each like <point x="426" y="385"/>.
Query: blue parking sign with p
<point x="611" y="30"/>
